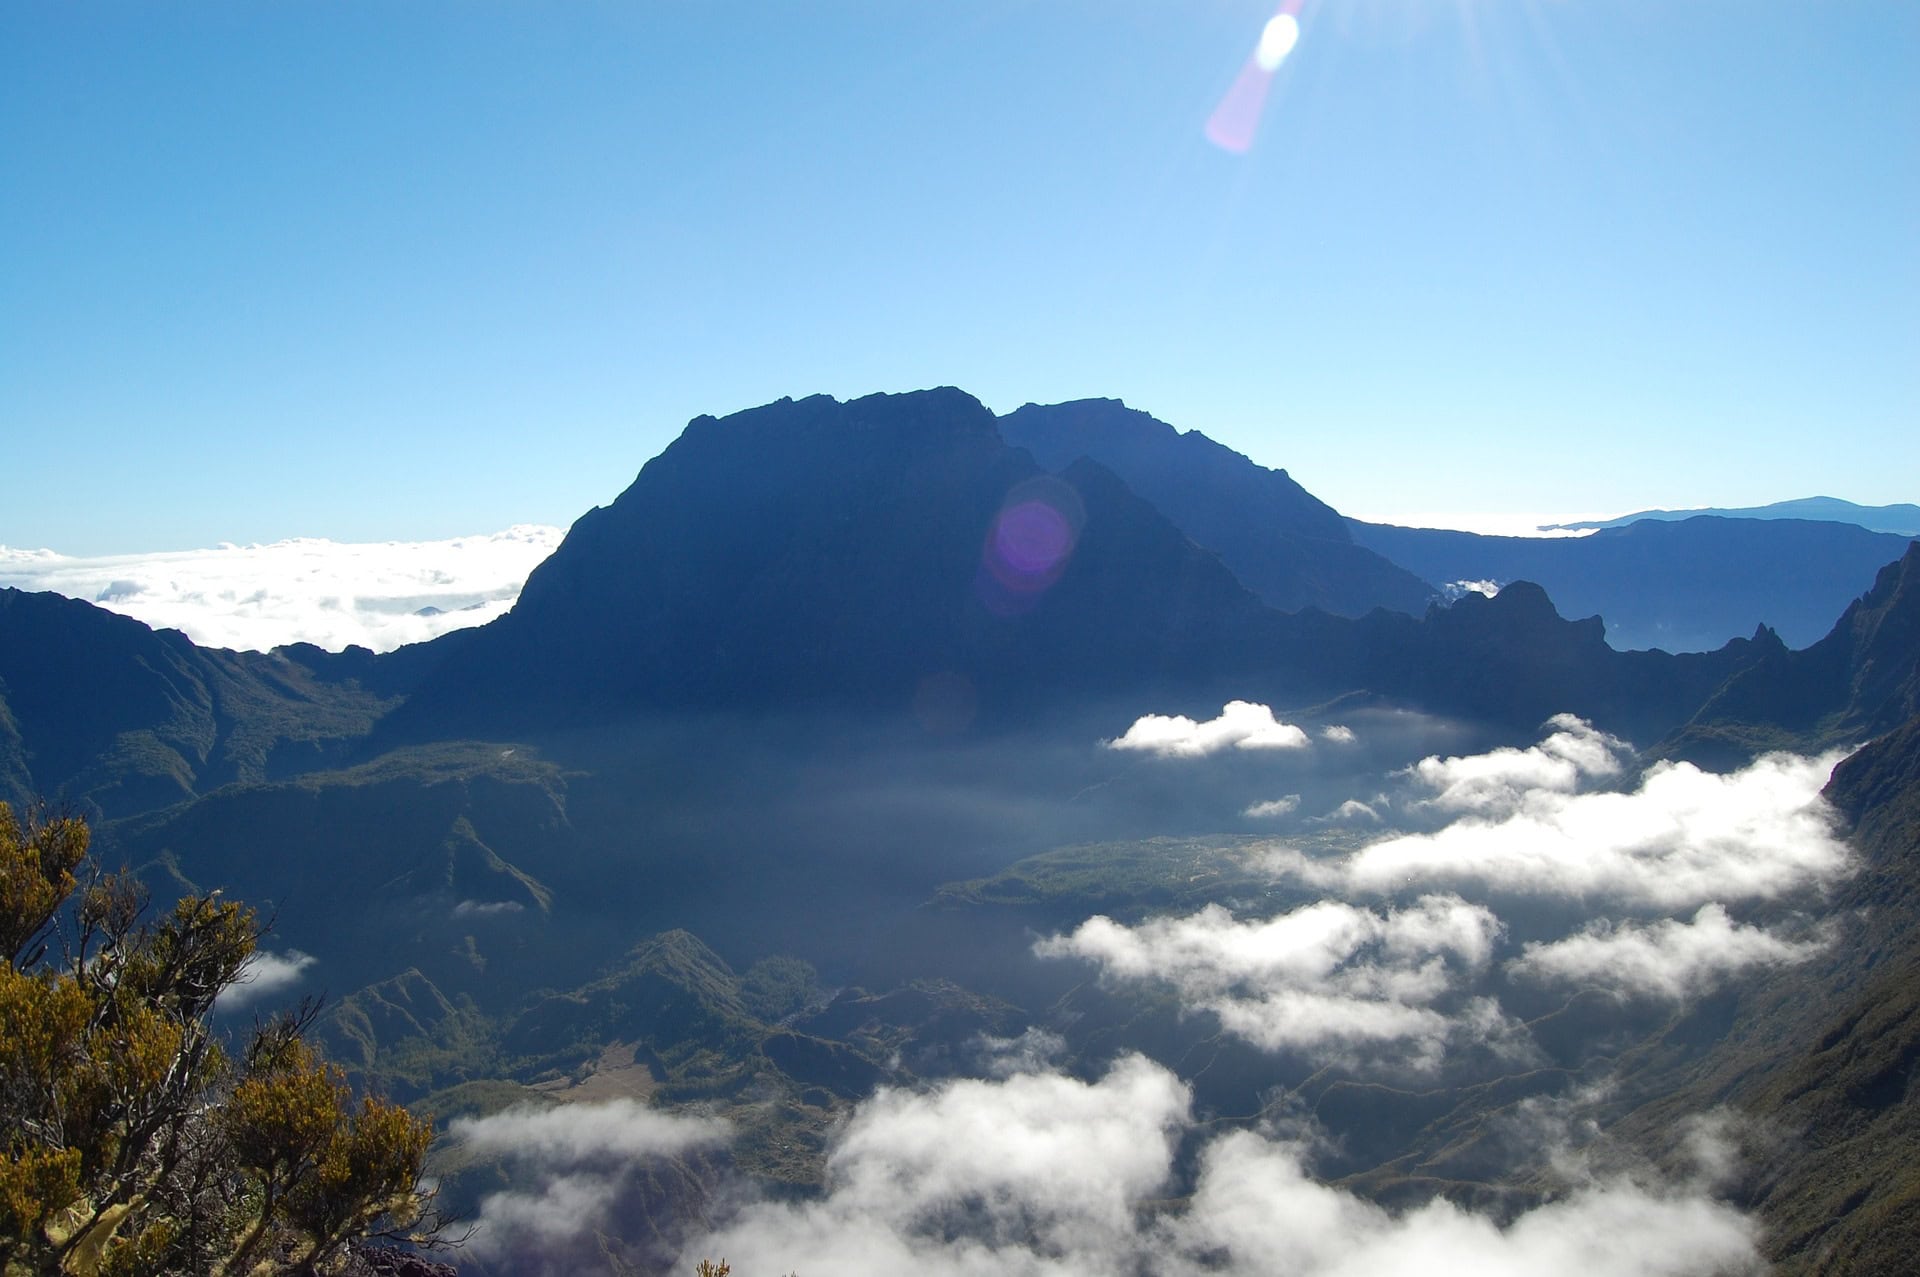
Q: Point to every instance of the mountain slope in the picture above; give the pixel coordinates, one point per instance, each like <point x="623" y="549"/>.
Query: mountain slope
<point x="818" y="552"/>
<point x="1824" y="1060"/>
<point x="1859" y="681"/>
<point x="818" y="555"/>
<point x="1284" y="544"/>
<point x="1685" y="586"/>
<point x="100" y="710"/>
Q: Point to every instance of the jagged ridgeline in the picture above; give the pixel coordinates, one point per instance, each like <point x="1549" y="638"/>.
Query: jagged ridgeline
<point x="760" y="796"/>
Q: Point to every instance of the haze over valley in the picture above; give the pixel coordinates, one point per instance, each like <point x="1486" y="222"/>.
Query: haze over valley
<point x="861" y="798"/>
<point x="809" y="632"/>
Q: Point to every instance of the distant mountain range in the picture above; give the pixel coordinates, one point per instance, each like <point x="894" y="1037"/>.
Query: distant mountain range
<point x="897" y="556"/>
<point x="1901" y="520"/>
<point x="1684" y="587"/>
<point x="758" y="795"/>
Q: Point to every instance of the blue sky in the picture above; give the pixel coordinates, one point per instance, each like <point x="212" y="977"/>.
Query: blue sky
<point x="372" y="271"/>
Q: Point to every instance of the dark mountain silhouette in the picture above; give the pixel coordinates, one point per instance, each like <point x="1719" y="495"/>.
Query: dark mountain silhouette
<point x="705" y="719"/>
<point x="1901" y="520"/>
<point x="1285" y="544"/>
<point x="102" y="711"/>
<point x="1685" y="586"/>
<point x="853" y="555"/>
<point x="1861" y="680"/>
<point x="844" y="554"/>
<point x="890" y="556"/>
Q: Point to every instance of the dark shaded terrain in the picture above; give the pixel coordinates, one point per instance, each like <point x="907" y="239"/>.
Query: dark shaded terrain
<point x="760" y="795"/>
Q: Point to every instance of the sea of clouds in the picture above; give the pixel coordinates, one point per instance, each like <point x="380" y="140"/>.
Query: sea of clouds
<point x="1667" y="882"/>
<point x="380" y="595"/>
<point x="1042" y="1174"/>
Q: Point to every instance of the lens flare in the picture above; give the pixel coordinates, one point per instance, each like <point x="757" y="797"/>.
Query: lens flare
<point x="1236" y="120"/>
<point x="1277" y="39"/>
<point x="1029" y="545"/>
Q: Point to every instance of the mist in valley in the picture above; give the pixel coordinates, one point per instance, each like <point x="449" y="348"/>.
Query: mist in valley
<point x="1281" y="991"/>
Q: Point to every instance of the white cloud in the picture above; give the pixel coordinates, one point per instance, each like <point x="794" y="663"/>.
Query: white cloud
<point x="576" y="1161"/>
<point x="1257" y="1205"/>
<point x="332" y="594"/>
<point x="1499" y="781"/>
<point x="487" y="908"/>
<point x="574" y="1134"/>
<point x="1274" y="807"/>
<point x="1352" y="812"/>
<point x="1324" y="979"/>
<point x="1338" y="734"/>
<point x="1034" y="1051"/>
<point x="1679" y="839"/>
<point x="1454" y="590"/>
<point x="266" y="975"/>
<point x="1666" y="959"/>
<point x="1046" y="1175"/>
<point x="1039" y="1173"/>
<point x="1241" y="725"/>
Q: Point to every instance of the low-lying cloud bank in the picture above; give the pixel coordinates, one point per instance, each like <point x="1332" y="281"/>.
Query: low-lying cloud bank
<point x="1678" y="839"/>
<point x="1047" y="1174"/>
<point x="580" y="1163"/>
<point x="1666" y="959"/>
<point x="1350" y="982"/>
<point x="307" y="590"/>
<point x="1501" y="781"/>
<point x="1327" y="979"/>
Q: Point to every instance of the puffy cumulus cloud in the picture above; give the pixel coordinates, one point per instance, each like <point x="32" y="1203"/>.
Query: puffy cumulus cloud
<point x="333" y="594"/>
<point x="1037" y="1173"/>
<point x="1323" y="980"/>
<point x="1574" y="753"/>
<point x="1257" y="1206"/>
<point x="1667" y="959"/>
<point x="576" y="1162"/>
<point x="1338" y="734"/>
<point x="266" y="975"/>
<point x="1045" y="1176"/>
<point x="1680" y="838"/>
<point x="1274" y="807"/>
<point x="1241" y="725"/>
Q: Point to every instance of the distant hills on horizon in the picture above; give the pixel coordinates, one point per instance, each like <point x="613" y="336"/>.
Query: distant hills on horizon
<point x="1691" y="583"/>
<point x="1901" y="519"/>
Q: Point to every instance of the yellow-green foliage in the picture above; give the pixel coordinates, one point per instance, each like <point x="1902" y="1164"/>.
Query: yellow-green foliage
<point x="129" y="1143"/>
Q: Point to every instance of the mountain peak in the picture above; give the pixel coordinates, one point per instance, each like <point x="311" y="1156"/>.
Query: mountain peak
<point x="1286" y="545"/>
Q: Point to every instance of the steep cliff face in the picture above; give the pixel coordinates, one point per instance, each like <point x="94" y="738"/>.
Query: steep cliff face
<point x="1861" y="680"/>
<point x="843" y="553"/>
<point x="1821" y="1063"/>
